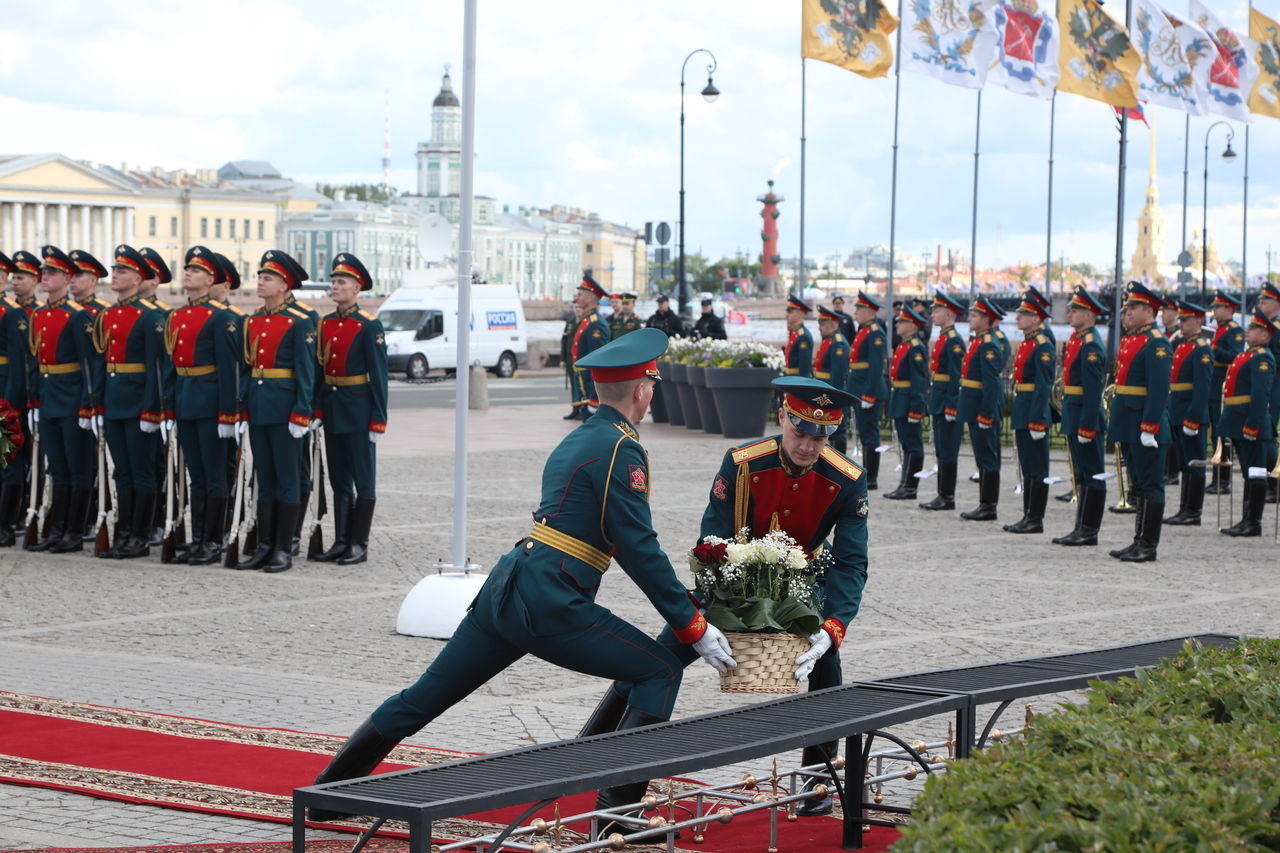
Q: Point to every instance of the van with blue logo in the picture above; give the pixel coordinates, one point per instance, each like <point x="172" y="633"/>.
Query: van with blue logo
<point x="421" y="324"/>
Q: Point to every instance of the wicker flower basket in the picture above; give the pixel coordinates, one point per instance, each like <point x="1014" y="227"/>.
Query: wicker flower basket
<point x="766" y="663"/>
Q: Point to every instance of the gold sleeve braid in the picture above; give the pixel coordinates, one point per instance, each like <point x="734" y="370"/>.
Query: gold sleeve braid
<point x="741" y="496"/>
<point x="170" y="336"/>
<point x="101" y="339"/>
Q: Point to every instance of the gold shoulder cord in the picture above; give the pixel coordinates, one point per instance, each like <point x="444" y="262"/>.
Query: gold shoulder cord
<point x="323" y="350"/>
<point x="101" y="339"/>
<point x="608" y="480"/>
<point x="34" y="340"/>
<point x="741" y="496"/>
<point x="170" y="336"/>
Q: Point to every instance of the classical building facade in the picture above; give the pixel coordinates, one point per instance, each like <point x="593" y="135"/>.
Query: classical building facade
<point x="384" y="238"/>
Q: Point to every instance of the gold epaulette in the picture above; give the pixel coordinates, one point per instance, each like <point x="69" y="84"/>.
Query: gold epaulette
<point x="755" y="450"/>
<point x="842" y="463"/>
<point x="302" y="315"/>
<point x="1041" y="338"/>
<point x="73" y="305"/>
<point x="628" y="430"/>
<point x="304" y="306"/>
<point x="234" y="310"/>
<point x="365" y="314"/>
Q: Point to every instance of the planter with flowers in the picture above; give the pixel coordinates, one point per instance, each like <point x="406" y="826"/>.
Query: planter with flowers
<point x="680" y="353"/>
<point x="738" y="377"/>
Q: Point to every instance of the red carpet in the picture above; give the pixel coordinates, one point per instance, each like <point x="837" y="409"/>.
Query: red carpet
<point x="242" y="771"/>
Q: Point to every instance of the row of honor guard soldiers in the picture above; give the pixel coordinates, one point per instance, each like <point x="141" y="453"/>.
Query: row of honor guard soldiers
<point x="1162" y="397"/>
<point x="137" y="377"/>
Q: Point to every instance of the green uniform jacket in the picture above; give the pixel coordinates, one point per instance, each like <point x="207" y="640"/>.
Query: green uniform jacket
<point x="947" y="363"/>
<point x="130" y="334"/>
<point x="755" y="488"/>
<point x="352" y="346"/>
<point x="981" y="392"/>
<point x="1084" y="372"/>
<point x="910" y="379"/>
<point x="866" y="364"/>
<point x="1033" y="373"/>
<point x="1143" y="366"/>
<point x="1228" y="342"/>
<point x="831" y="364"/>
<point x="621" y="324"/>
<point x="799" y="353"/>
<point x="61" y="334"/>
<point x="1189" y="380"/>
<point x="590" y="334"/>
<point x="1250" y="379"/>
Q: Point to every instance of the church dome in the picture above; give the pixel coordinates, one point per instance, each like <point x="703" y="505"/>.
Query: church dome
<point x="446" y="98"/>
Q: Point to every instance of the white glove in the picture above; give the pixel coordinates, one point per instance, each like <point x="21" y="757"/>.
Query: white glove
<point x="297" y="431"/>
<point x="1243" y="435"/>
<point x="83" y="423"/>
<point x="374" y="436"/>
<point x="981" y="425"/>
<point x="1186" y="430"/>
<point x="950" y="418"/>
<point x="316" y="423"/>
<point x="148" y="426"/>
<point x="713" y="648"/>
<point x="1036" y="434"/>
<point x="864" y="404"/>
<point x="913" y="420"/>
<point x="33" y="418"/>
<point x="241" y="428"/>
<point x="167" y="426"/>
<point x="226" y="430"/>
<point x="93" y="424"/>
<point x="819" y="644"/>
<point x="1149" y="440"/>
<point x="1082" y="439"/>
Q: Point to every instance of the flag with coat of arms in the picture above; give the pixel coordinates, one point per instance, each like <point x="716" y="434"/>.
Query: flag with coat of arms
<point x="1265" y="33"/>
<point x="949" y="40"/>
<point x="1176" y="58"/>
<point x="1097" y="59"/>
<point x="1026" y="50"/>
<point x="853" y="34"/>
<point x="1233" y="70"/>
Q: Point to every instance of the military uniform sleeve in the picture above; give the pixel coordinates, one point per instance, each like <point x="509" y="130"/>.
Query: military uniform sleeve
<point x="804" y="354"/>
<point x="839" y="353"/>
<point x="875" y="368"/>
<point x="304" y="368"/>
<point x="1260" y="383"/>
<point x="1155" y="410"/>
<point x="1197" y="414"/>
<point x="376" y="359"/>
<point x="847" y="576"/>
<point x="151" y="327"/>
<point x="718" y="518"/>
<point x="225" y="356"/>
<point x="919" y="373"/>
<point x="990" y="368"/>
<point x="595" y="336"/>
<point x="15" y="386"/>
<point x="953" y="360"/>
<point x="1039" y="411"/>
<point x="93" y="365"/>
<point x="627" y="525"/>
<point x="1093" y="371"/>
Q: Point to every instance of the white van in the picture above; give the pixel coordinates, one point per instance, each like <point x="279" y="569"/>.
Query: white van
<point x="421" y="324"/>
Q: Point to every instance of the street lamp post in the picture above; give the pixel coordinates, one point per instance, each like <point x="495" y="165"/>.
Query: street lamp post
<point x="1228" y="156"/>
<point x="709" y="94"/>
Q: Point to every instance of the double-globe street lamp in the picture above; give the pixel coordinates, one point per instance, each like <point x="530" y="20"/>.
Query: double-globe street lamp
<point x="1228" y="155"/>
<point x="709" y="94"/>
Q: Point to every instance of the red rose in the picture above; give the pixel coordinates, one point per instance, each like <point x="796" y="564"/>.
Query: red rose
<point x="709" y="554"/>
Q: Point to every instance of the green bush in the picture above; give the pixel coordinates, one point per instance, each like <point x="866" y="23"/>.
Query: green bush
<point x="1184" y="757"/>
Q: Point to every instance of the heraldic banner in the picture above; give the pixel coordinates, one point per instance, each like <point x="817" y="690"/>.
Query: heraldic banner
<point x="950" y="40"/>
<point x="853" y="34"/>
<point x="1097" y="59"/>
<point x="1265" y="97"/>
<point x="1233" y="71"/>
<point x="1026" y="53"/>
<point x="1176" y="56"/>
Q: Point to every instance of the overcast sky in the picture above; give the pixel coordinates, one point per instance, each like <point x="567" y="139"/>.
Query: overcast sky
<point x="578" y="103"/>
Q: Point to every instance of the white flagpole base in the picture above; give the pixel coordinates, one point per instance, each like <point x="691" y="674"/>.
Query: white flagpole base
<point x="436" y="604"/>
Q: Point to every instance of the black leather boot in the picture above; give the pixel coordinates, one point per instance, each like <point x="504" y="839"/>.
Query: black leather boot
<point x="607" y="715"/>
<point x="896" y="494"/>
<point x="1138" y="505"/>
<point x="266" y="530"/>
<point x="824" y="805"/>
<point x="342" y="503"/>
<point x="1144" y="550"/>
<point x="988" y="497"/>
<point x="361" y="521"/>
<point x="1255" y="497"/>
<point x="631" y="792"/>
<point x="73" y="525"/>
<point x="871" y="462"/>
<point x="946" y="498"/>
<point x="1089" y="512"/>
<point x="207" y="550"/>
<point x="907" y="488"/>
<point x="358" y="757"/>
<point x="1037" y="497"/>
<point x="125" y="502"/>
<point x="295" y="539"/>
<point x="1190" y="501"/>
<point x="88" y="529"/>
<point x="1221" y="484"/>
<point x="1171" y="470"/>
<point x="198" y="501"/>
<point x="10" y="502"/>
<point x="286" y="520"/>
<point x="138" y="540"/>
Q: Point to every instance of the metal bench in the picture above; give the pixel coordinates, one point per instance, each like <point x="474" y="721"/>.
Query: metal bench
<point x="854" y="712"/>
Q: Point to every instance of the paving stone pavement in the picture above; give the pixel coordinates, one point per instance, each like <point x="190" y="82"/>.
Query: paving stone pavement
<point x="315" y="648"/>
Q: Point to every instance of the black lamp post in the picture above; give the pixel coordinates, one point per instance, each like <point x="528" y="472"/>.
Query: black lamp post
<point x="1228" y="156"/>
<point x="709" y="94"/>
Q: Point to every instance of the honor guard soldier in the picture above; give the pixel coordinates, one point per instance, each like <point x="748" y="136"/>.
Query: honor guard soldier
<point x="84" y="291"/>
<point x="982" y="403"/>
<point x="909" y="378"/>
<point x="279" y="391"/>
<point x="306" y="483"/>
<point x="201" y="337"/>
<point x="1190" y="376"/>
<point x="1246" y="419"/>
<point x="1170" y="325"/>
<point x="847" y="327"/>
<point x="1046" y="308"/>
<point x="1084" y="373"/>
<point x="1228" y="342"/>
<point x="540" y="597"/>
<point x="946" y="364"/>
<point x="799" y="349"/>
<point x="130" y="336"/>
<point x="219" y="293"/>
<point x="1140" y="418"/>
<point x="18" y="369"/>
<point x="66" y="399"/>
<point x="353" y="405"/>
<point x="589" y="335"/>
<point x="797" y="483"/>
<point x="624" y="320"/>
<point x="1269" y="305"/>
<point x="1033" y="374"/>
<point x="867" y="351"/>
<point x="831" y="365"/>
<point x="162" y="276"/>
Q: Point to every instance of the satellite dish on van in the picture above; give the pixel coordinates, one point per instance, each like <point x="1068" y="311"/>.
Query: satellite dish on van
<point x="435" y="238"/>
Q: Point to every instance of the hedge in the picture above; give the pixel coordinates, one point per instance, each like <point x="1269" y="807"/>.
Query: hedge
<point x="1184" y="757"/>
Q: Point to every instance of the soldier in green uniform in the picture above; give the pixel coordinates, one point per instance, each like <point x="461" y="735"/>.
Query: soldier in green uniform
<point x="982" y="403"/>
<point x="1046" y="308"/>
<point x="306" y="483"/>
<point x="946" y="361"/>
<point x="589" y="335"/>
<point x="130" y="337"/>
<point x="831" y="365"/>
<point x="353" y="402"/>
<point x="1140" y="418"/>
<point x="867" y="352"/>
<point x="624" y="320"/>
<point x="1190" y="376"/>
<point x="16" y="367"/>
<point x="1228" y="342"/>
<point x="909" y="379"/>
<point x="1246" y="419"/>
<point x="1269" y="305"/>
<point x="219" y="292"/>
<point x="65" y="399"/>
<point x="84" y="291"/>
<point x="1084" y="373"/>
<point x="278" y="390"/>
<point x="160" y="274"/>
<point x="799" y="348"/>
<point x="1033" y="372"/>
<point x="540" y="597"/>
<point x="566" y="359"/>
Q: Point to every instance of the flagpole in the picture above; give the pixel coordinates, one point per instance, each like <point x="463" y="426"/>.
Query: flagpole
<point x="1244" y="249"/>
<point x="1048" y="228"/>
<point x="893" y="180"/>
<point x="1118" y="296"/>
<point x="1186" y="161"/>
<point x="973" y="228"/>
<point x="803" y="100"/>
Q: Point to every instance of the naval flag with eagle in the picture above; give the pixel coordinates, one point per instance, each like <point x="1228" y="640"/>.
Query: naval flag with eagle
<point x="951" y="40"/>
<point x="1233" y="70"/>
<point x="1176" y="57"/>
<point x="1097" y="59"/>
<point x="1026" y="51"/>
<point x="853" y="34"/>
<point x="1265" y="33"/>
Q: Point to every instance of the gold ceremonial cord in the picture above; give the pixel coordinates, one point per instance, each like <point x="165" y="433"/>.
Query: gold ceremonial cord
<point x="324" y="351"/>
<point x="741" y="496"/>
<point x="101" y="338"/>
<point x="1058" y="393"/>
<point x="33" y="340"/>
